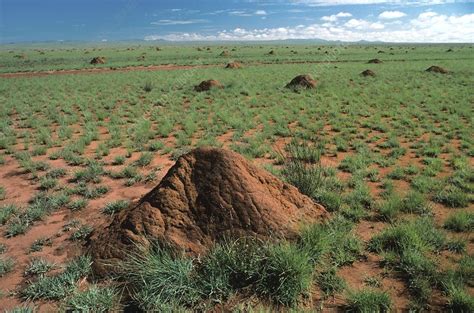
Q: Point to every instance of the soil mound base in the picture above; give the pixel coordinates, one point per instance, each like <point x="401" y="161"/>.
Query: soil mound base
<point x="437" y="69"/>
<point x="208" y="85"/>
<point x="207" y="195"/>
<point x="234" y="65"/>
<point x="302" y="81"/>
<point x="375" y="61"/>
<point x="368" y="73"/>
<point x="98" y="60"/>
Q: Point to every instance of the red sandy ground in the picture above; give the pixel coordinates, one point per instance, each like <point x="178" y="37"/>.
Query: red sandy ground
<point x="19" y="190"/>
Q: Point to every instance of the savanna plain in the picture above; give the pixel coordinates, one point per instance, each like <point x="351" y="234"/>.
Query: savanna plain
<point x="388" y="154"/>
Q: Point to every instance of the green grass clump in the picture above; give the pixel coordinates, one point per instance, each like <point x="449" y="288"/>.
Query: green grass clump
<point x="287" y="274"/>
<point x="90" y="192"/>
<point x="460" y="301"/>
<point x="333" y="242"/>
<point x="226" y="268"/>
<point x="330" y="283"/>
<point x="59" y="286"/>
<point x="460" y="222"/>
<point x="3" y="193"/>
<point x="308" y="180"/>
<point x="457" y="245"/>
<point x="56" y="173"/>
<point x="17" y="226"/>
<point x="38" y="267"/>
<point x="78" y="204"/>
<point x="94" y="299"/>
<point x="92" y="173"/>
<point x="6" y="265"/>
<point x="415" y="202"/>
<point x="353" y="163"/>
<point x="304" y="152"/>
<point x="41" y="205"/>
<point x="118" y="160"/>
<point x="82" y="233"/>
<point x="452" y="197"/>
<point x="144" y="159"/>
<point x="161" y="278"/>
<point x="406" y="246"/>
<point x="419" y="234"/>
<point x="6" y="212"/>
<point x="390" y="208"/>
<point x="115" y="207"/>
<point x="158" y="277"/>
<point x="47" y="183"/>
<point x="368" y="300"/>
<point x="39" y="243"/>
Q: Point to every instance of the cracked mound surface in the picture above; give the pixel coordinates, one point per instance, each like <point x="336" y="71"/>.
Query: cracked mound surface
<point x="208" y="194"/>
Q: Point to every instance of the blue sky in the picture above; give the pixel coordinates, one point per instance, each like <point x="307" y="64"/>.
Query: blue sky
<point x="180" y="20"/>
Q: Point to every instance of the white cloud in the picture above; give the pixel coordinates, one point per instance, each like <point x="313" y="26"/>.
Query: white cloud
<point x="240" y="13"/>
<point x="244" y="13"/>
<point x="427" y="27"/>
<point x="178" y="22"/>
<point x="363" y="24"/>
<point x="362" y="2"/>
<point x="335" y="17"/>
<point x="388" y="15"/>
<point x="343" y="14"/>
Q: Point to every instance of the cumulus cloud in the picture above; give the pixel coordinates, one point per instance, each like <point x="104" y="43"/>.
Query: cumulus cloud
<point x="388" y="15"/>
<point x="260" y="12"/>
<point x="427" y="27"/>
<point x="335" y="17"/>
<point x="363" y="24"/>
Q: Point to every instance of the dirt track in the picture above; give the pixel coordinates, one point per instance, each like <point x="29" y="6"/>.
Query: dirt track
<point x="171" y="67"/>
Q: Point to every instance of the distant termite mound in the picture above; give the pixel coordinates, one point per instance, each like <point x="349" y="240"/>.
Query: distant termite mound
<point x="375" y="61"/>
<point x="98" y="60"/>
<point x="437" y="69"/>
<point x="233" y="65"/>
<point x="272" y="52"/>
<point x="368" y="73"/>
<point x="208" y="85"/>
<point x="208" y="195"/>
<point x="225" y="53"/>
<point x="302" y="81"/>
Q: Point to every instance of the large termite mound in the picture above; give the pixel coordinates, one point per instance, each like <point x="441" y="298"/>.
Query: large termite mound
<point x="209" y="194"/>
<point x="302" y="81"/>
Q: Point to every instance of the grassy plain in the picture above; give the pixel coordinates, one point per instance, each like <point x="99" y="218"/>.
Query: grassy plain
<point x="390" y="156"/>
